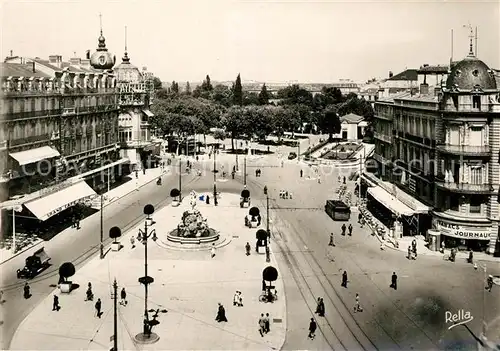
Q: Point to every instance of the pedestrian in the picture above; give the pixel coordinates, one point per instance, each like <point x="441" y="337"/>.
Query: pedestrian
<point x="123" y="296"/>
<point x="55" y="304"/>
<point x="236" y="299"/>
<point x="301" y="173"/>
<point x="350" y="229"/>
<point x="262" y="325"/>
<point x="212" y="251"/>
<point x="207" y="201"/>
<point x="221" y="314"/>
<point x="266" y="323"/>
<point x="357" y="306"/>
<point x="409" y="252"/>
<point x="27" y="292"/>
<point x="319" y="180"/>
<point x="344" y="179"/>
<point x="331" y="243"/>
<point x="344" y="279"/>
<point x="240" y="299"/>
<point x="489" y="283"/>
<point x="98" y="308"/>
<point x="394" y="281"/>
<point x="132" y="242"/>
<point x="320" y="310"/>
<point x="312" y="329"/>
<point x="360" y="216"/>
<point x="343" y="229"/>
<point x="247" y="248"/>
<point x="89" y="294"/>
<point x="471" y="257"/>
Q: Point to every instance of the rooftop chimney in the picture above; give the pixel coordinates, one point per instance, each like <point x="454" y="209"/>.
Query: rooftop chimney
<point x="75" y="61"/>
<point x="391" y="74"/>
<point x="424" y="88"/>
<point x="85" y="63"/>
<point x="11" y="53"/>
<point x="34" y="71"/>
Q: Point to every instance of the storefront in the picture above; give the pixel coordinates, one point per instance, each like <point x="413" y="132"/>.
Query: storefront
<point x="406" y="218"/>
<point x="461" y="235"/>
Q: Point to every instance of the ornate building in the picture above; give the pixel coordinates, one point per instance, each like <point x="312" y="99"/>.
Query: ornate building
<point x="59" y="128"/>
<point x="135" y="89"/>
<point x="436" y="158"/>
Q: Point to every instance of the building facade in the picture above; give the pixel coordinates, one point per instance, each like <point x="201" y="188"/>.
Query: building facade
<point x="58" y="135"/>
<point x="436" y="158"/>
<point x="135" y="95"/>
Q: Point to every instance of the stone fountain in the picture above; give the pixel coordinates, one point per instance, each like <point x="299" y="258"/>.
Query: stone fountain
<point x="193" y="228"/>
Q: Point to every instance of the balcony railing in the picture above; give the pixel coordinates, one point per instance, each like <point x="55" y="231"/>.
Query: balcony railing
<point x="465" y="188"/>
<point x="30" y="114"/>
<point x="465" y="150"/>
<point x="383" y="137"/>
<point x="36" y="139"/>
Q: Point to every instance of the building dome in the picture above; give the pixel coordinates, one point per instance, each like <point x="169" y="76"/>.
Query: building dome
<point x="127" y="72"/>
<point x="102" y="59"/>
<point x="470" y="73"/>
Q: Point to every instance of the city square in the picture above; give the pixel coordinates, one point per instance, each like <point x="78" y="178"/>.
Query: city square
<point x="139" y="213"/>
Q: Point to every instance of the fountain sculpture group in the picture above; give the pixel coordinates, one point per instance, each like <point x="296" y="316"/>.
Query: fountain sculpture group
<point x="193" y="228"/>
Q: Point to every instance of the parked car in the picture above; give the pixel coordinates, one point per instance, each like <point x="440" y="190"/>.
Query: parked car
<point x="292" y="155"/>
<point x="34" y="264"/>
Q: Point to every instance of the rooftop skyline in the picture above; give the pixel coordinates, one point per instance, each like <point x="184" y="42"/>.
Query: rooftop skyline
<point x="273" y="41"/>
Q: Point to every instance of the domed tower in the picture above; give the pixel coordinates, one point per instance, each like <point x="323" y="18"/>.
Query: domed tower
<point x="126" y="72"/>
<point x="467" y="134"/>
<point x="102" y="58"/>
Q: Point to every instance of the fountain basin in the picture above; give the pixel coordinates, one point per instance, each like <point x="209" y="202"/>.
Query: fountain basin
<point x="212" y="237"/>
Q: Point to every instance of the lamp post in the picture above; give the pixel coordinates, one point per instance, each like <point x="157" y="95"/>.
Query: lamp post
<point x="115" y="316"/>
<point x="483" y="266"/>
<point x="146" y="336"/>
<point x="267" y="211"/>
<point x="101" y="222"/>
<point x="245" y="170"/>
<point x="215" y="178"/>
<point x="17" y="208"/>
<point x="237" y="170"/>
<point x="180" y="179"/>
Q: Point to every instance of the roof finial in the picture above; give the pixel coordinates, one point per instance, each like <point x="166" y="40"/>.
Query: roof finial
<point x="100" y="21"/>
<point x="125" y="39"/>
<point x="471" y="38"/>
<point x="125" y="58"/>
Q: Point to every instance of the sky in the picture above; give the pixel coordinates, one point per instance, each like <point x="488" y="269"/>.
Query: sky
<point x="266" y="41"/>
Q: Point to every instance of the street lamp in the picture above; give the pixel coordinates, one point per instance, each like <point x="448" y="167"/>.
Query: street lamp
<point x="147" y="337"/>
<point x="215" y="178"/>
<point x="180" y="179"/>
<point x="17" y="208"/>
<point x="267" y="211"/>
<point x="245" y="170"/>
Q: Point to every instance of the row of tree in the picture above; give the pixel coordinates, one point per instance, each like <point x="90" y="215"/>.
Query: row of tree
<point x="247" y="114"/>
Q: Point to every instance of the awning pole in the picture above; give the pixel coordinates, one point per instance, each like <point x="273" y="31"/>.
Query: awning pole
<point x="13" y="231"/>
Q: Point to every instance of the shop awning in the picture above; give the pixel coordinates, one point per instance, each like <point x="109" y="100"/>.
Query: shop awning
<point x="50" y="205"/>
<point x="148" y="113"/>
<point x="390" y="202"/>
<point x="34" y="155"/>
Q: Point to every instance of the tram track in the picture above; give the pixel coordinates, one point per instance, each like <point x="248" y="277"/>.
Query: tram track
<point x="298" y="274"/>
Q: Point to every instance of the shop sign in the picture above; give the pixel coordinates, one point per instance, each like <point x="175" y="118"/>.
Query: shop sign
<point x="461" y="232"/>
<point x="68" y="205"/>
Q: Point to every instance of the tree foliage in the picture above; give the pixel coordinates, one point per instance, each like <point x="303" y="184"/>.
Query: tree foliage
<point x="263" y="95"/>
<point x="157" y="84"/>
<point x="238" y="92"/>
